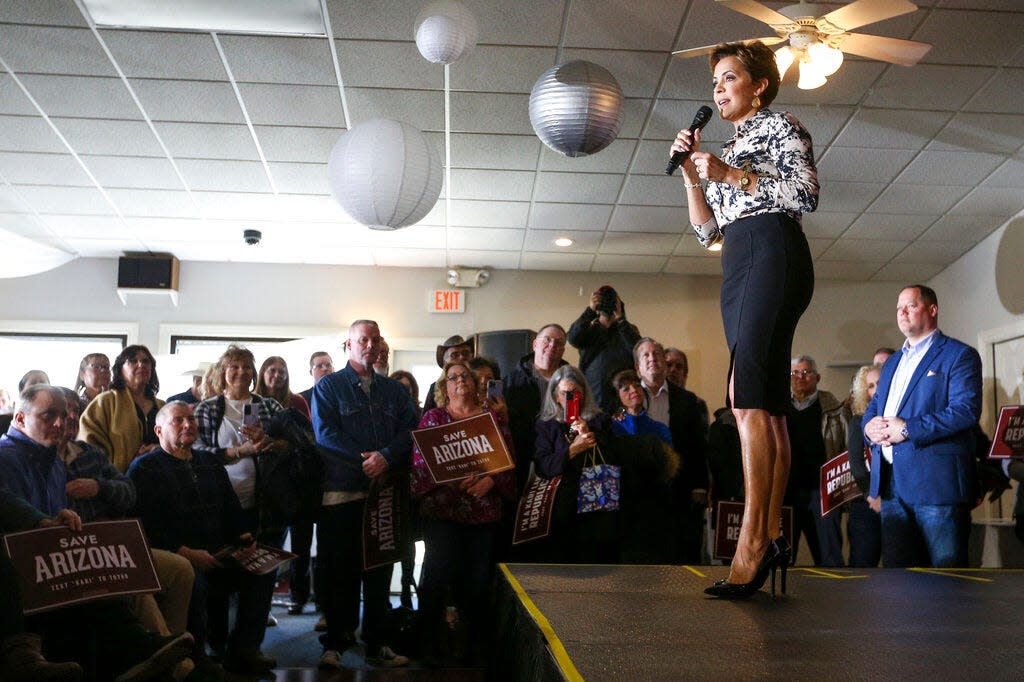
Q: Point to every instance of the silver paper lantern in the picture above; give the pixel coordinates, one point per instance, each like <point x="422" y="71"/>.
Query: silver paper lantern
<point x="576" y="108"/>
<point x="385" y="174"/>
<point x="446" y="31"/>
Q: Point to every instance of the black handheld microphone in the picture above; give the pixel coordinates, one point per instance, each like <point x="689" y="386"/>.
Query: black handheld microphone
<point x="699" y="121"/>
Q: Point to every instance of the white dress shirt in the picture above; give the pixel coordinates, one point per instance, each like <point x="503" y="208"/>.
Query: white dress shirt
<point x="910" y="358"/>
<point x="658" y="409"/>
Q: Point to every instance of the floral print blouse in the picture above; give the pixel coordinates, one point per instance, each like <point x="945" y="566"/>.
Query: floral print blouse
<point x="778" y="149"/>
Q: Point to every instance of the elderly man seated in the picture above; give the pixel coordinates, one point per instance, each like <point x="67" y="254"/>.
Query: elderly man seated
<point x="187" y="505"/>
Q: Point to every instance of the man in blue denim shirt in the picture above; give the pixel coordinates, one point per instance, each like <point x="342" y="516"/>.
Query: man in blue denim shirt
<point x="362" y="423"/>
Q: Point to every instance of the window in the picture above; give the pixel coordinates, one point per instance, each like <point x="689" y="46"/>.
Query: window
<point x="59" y="355"/>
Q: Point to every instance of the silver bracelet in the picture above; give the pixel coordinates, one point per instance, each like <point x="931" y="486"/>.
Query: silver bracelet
<point x="692" y="185"/>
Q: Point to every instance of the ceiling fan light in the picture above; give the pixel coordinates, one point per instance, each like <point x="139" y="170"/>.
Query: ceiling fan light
<point x="810" y="76"/>
<point x="828" y="59"/>
<point x="784" y="59"/>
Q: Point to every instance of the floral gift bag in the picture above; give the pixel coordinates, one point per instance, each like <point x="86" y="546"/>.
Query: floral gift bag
<point x="599" y="484"/>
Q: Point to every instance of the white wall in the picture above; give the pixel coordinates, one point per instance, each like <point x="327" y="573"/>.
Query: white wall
<point x="844" y="323"/>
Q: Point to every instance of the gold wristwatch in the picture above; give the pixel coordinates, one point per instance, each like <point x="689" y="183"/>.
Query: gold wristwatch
<point x="745" y="179"/>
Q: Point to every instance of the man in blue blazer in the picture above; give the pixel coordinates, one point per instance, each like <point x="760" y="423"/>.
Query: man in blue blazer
<point x="922" y="450"/>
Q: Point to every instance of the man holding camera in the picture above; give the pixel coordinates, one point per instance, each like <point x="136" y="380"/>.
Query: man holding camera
<point x="605" y="341"/>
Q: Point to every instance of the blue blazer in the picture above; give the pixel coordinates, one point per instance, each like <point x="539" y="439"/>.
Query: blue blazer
<point x="935" y="465"/>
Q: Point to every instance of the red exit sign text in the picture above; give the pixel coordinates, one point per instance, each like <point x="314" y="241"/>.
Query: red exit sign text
<point x="446" y="301"/>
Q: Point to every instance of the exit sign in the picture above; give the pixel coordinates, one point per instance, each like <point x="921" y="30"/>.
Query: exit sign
<point x="446" y="301"/>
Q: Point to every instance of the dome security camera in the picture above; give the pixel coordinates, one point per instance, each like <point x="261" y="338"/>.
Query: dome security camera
<point x="252" y="237"/>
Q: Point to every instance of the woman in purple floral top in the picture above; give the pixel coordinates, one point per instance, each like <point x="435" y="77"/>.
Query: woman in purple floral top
<point x="460" y="520"/>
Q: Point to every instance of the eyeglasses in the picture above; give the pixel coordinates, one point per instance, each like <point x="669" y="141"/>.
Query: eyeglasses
<point x="139" y="361"/>
<point x="99" y="368"/>
<point x="458" y="377"/>
<point x="802" y="372"/>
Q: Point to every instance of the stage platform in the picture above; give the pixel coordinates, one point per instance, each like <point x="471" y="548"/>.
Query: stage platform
<point x="655" y="623"/>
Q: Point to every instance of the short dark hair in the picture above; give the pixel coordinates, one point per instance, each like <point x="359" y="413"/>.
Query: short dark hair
<point x="130" y="353"/>
<point x="759" y="61"/>
<point x="479" y="362"/>
<point x="28" y="376"/>
<point x="928" y="294"/>
<point x="646" y="339"/>
<point x="27" y="399"/>
<point x="314" y="356"/>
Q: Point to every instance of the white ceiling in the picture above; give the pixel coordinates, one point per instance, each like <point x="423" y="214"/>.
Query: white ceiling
<point x="125" y="140"/>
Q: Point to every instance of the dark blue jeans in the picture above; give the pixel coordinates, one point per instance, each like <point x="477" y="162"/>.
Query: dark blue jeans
<point x="865" y="531"/>
<point x="208" y="610"/>
<point x="924" y="534"/>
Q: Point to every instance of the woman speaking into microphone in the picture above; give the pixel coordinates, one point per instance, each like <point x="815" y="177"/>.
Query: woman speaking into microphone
<point x="756" y="192"/>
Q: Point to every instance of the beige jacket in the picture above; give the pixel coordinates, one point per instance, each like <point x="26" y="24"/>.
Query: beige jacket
<point x="111" y="424"/>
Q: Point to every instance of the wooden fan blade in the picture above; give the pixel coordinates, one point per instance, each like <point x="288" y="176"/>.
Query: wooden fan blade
<point x="758" y="11"/>
<point x="708" y="49"/>
<point x="894" y="50"/>
<point x="865" y="12"/>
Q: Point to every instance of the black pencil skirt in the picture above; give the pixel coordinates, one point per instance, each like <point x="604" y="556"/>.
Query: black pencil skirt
<point x="768" y="280"/>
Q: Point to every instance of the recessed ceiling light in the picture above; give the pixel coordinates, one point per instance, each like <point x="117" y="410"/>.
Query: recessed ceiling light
<point x="300" y="17"/>
<point x="564" y="241"/>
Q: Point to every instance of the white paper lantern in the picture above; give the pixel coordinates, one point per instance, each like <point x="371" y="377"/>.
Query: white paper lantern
<point x="446" y="31"/>
<point x="576" y="108"/>
<point x="24" y="257"/>
<point x="385" y="174"/>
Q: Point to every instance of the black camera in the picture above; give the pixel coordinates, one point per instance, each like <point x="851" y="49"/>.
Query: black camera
<point x="607" y="298"/>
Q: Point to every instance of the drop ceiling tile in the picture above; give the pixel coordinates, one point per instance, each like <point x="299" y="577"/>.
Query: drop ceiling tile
<point x="846" y="270"/>
<point x="51" y="49"/>
<point x="938" y="253"/>
<point x="545" y="216"/>
<point x="649" y="219"/>
<point x="188" y="101"/>
<point x="65" y="200"/>
<point x="544" y="241"/>
<point x="248" y="206"/>
<point x="907" y="272"/>
<point x="81" y="96"/>
<point x="153" y="202"/>
<point x="498" y="185"/>
<point x="580" y="188"/>
<point x="207" y="140"/>
<point x="690" y="265"/>
<point x="638" y="243"/>
<point x="216" y="175"/>
<point x="10" y="202"/>
<point x="892" y="129"/>
<point x="992" y="201"/>
<point x="375" y="64"/>
<point x="519" y="23"/>
<point x="612" y="159"/>
<point x="56" y="12"/>
<point x="133" y="171"/>
<point x="496" y="260"/>
<point x="827" y="225"/>
<point x="981" y="133"/>
<point x="637" y="73"/>
<point x="12" y="99"/>
<point x="293" y="105"/>
<point x="671" y="115"/>
<point x="412" y="237"/>
<point x="879" y="250"/>
<point x="823" y="122"/>
<point x="184" y="229"/>
<point x="652" y="156"/>
<point x="963" y="228"/>
<point x="43" y="169"/>
<point x="846" y="87"/>
<point x="87" y="227"/>
<point x="500" y="68"/>
<point x="923" y="199"/>
<point x="950" y="168"/>
<point x="300" y="178"/>
<point x="473" y="112"/>
<point x="103" y="248"/>
<point x="609" y="24"/>
<point x="295" y="144"/>
<point x="423" y="109"/>
<point x="819" y="246"/>
<point x="926" y="86"/>
<point x="484" y="239"/>
<point x="279" y="59"/>
<point x="689" y="246"/>
<point x="862" y="165"/>
<point x="377" y="21"/>
<point x="651" y="190"/>
<point x="643" y="264"/>
<point x="1010" y="174"/>
<point x="177" y="55"/>
<point x="410" y="258"/>
<point x="567" y="262"/>
<point x="888" y="226"/>
<point x="634" y="113"/>
<point x="508" y="152"/>
<point x="28" y="134"/>
<point x="984" y="36"/>
<point x="24" y="225"/>
<point x="97" y="136"/>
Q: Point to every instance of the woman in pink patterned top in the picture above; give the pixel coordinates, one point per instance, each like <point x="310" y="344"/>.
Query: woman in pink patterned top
<point x="460" y="522"/>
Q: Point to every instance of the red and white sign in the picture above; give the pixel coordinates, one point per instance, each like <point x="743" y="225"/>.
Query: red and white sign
<point x="837" y="486"/>
<point x="1009" y="437"/>
<point x="445" y="301"/>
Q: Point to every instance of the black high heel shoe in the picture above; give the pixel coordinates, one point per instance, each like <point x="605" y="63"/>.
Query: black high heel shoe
<point x="784" y="556"/>
<point x="727" y="590"/>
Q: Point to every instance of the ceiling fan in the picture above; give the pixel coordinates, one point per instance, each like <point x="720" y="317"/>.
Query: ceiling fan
<point x="817" y="43"/>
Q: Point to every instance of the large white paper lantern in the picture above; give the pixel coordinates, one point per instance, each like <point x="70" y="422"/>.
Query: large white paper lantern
<point x="384" y="174"/>
<point x="576" y="108"/>
<point x="446" y="31"/>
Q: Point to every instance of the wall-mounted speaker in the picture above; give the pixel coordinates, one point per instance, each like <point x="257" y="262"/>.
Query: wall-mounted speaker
<point x="147" y="271"/>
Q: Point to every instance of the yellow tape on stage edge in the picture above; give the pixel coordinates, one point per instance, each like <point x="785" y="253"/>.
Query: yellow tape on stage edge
<point x="561" y="655"/>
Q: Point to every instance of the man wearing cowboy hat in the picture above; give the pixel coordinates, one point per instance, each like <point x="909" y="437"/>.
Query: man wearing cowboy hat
<point x="454" y="349"/>
<point x="193" y="395"/>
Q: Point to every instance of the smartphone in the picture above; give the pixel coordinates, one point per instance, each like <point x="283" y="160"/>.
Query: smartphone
<point x="494" y="389"/>
<point x="572" y="406"/>
<point x="249" y="416"/>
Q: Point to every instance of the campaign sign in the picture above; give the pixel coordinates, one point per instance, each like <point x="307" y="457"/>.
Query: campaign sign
<point x="58" y="567"/>
<point x="729" y="521"/>
<point x="255" y="559"/>
<point x="463" y="448"/>
<point x="533" y="515"/>
<point x="1009" y="438"/>
<point x="837" y="484"/>
<point x="386" y="519"/>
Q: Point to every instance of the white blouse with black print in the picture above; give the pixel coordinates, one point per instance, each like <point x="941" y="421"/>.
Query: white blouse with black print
<point x="778" y="149"/>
